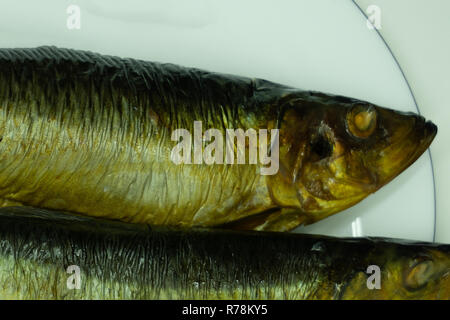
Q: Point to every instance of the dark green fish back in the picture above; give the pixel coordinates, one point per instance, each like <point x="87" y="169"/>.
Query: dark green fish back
<point x="165" y="87"/>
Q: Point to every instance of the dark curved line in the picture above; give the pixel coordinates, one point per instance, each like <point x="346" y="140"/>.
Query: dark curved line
<point x="417" y="107"/>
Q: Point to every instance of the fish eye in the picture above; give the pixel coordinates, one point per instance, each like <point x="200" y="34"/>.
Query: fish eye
<point x="418" y="274"/>
<point x="361" y="121"/>
<point x="321" y="147"/>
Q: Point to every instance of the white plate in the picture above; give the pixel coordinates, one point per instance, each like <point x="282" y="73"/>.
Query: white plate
<point x="320" y="45"/>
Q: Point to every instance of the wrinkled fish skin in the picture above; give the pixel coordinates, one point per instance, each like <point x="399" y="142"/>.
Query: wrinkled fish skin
<point x="128" y="261"/>
<point x="91" y="134"/>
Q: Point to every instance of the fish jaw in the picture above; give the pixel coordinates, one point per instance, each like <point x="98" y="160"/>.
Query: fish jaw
<point x="405" y="149"/>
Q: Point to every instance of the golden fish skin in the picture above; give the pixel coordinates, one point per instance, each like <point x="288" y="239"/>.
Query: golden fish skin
<point x="91" y="134"/>
<point x="40" y="251"/>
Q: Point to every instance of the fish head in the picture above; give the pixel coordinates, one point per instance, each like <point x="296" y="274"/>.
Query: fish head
<point x="335" y="151"/>
<point x="408" y="272"/>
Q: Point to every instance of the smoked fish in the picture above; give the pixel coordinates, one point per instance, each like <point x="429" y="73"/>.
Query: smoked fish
<point x="49" y="255"/>
<point x="94" y="134"/>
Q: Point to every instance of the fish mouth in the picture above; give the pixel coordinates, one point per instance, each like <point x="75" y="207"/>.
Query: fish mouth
<point x="405" y="150"/>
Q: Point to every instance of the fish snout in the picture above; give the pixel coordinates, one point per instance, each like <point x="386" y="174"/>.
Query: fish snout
<point x="424" y="128"/>
<point x="410" y="136"/>
<point x="422" y="134"/>
<point x="430" y="130"/>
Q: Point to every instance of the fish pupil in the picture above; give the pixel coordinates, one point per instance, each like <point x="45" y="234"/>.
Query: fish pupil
<point x="321" y="147"/>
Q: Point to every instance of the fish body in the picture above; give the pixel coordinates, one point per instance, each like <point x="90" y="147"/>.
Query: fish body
<point x="49" y="255"/>
<point x="92" y="134"/>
